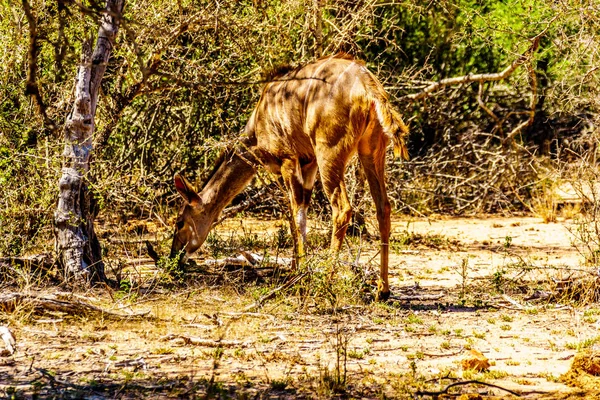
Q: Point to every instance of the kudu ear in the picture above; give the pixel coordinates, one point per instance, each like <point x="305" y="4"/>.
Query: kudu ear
<point x="185" y="189"/>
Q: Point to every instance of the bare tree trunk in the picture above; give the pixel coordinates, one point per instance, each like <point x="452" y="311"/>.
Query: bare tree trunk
<point x="78" y="247"/>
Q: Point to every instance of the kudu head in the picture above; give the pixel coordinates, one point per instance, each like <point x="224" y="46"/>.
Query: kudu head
<point x="193" y="223"/>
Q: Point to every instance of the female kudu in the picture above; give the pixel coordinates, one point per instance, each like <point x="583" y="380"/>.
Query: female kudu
<point x="312" y="118"/>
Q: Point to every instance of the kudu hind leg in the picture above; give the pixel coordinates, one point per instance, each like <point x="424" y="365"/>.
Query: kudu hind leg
<point x="373" y="162"/>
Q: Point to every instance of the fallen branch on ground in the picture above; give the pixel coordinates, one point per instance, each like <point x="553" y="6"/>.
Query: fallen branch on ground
<point x="10" y="301"/>
<point x="43" y="261"/>
<point x="444" y="391"/>
<point x="103" y="387"/>
<point x="418" y="297"/>
<point x="136" y="363"/>
<point x="248" y="259"/>
<point x="457" y="352"/>
<point x="205" y="342"/>
<point x="273" y="292"/>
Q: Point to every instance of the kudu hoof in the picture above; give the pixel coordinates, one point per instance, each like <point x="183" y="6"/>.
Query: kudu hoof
<point x="382" y="296"/>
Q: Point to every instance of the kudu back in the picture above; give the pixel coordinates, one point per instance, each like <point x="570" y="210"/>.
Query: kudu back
<point x="313" y="118"/>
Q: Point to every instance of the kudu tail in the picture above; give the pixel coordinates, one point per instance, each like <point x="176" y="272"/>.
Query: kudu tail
<point x="389" y="118"/>
<point x="392" y="125"/>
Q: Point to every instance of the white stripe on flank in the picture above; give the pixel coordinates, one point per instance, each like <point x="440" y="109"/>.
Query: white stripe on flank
<point x="284" y="118"/>
<point x="277" y="113"/>
<point x="340" y="77"/>
<point x="308" y="91"/>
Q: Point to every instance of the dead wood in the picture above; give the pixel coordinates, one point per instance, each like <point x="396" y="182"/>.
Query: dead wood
<point x="78" y="247"/>
<point x="42" y="261"/>
<point x="11" y="301"/>
<point x="102" y="387"/>
<point x="248" y="259"/>
<point x="8" y="339"/>
<point x="205" y="342"/>
<point x="490" y="77"/>
<point x="455" y="353"/>
<point x="274" y="292"/>
<point x="137" y="363"/>
<point x="418" y="297"/>
<point x="463" y="383"/>
<point x="238" y="315"/>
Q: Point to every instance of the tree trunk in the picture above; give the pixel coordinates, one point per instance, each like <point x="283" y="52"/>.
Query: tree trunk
<point x="78" y="247"/>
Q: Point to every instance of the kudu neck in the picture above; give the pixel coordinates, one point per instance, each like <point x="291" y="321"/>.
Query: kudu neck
<point x="231" y="177"/>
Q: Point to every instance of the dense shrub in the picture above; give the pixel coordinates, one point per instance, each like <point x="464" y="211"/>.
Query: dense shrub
<point x="185" y="75"/>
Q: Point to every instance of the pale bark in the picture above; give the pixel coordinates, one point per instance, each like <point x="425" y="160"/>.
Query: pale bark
<point x="525" y="58"/>
<point x="76" y="242"/>
<point x="466" y="79"/>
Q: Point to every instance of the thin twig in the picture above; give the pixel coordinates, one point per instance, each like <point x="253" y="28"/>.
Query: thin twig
<point x="273" y="292"/>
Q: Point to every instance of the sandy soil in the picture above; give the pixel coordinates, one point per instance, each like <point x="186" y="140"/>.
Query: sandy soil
<point x="283" y="351"/>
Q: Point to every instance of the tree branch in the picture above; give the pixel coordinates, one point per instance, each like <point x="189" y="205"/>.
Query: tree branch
<point x="490" y="77"/>
<point x="532" y="104"/>
<point x="32" y="87"/>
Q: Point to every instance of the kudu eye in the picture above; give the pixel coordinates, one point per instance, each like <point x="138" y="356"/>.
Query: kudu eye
<point x="180" y="225"/>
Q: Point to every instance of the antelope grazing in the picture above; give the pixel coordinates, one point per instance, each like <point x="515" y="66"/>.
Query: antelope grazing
<point x="313" y="118"/>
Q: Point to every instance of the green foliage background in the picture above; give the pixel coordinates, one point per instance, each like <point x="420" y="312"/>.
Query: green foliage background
<point x="185" y="75"/>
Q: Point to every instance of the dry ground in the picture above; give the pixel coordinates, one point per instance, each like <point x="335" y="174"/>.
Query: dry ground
<point x="201" y="338"/>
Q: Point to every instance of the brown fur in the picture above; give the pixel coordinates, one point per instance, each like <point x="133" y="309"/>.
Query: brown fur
<point x="311" y="118"/>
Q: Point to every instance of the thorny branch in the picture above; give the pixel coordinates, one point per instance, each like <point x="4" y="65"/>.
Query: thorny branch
<point x="489" y="77"/>
<point x="466" y="79"/>
<point x="31" y="86"/>
<point x="532" y="104"/>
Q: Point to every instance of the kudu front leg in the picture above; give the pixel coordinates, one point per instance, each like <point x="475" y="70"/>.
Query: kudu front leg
<point x="299" y="182"/>
<point x="332" y="176"/>
<point x="341" y="215"/>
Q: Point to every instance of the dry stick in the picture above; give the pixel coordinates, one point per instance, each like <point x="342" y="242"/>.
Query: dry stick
<point x="457" y="352"/>
<point x="8" y="302"/>
<point x="435" y="394"/>
<point x="273" y="292"/>
<point x="419" y="297"/>
<point x="532" y="104"/>
<point x="486" y="109"/>
<point x="205" y="342"/>
<point x="102" y="387"/>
